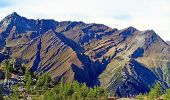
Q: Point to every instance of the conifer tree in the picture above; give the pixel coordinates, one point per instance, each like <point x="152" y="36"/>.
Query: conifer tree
<point x="155" y="92"/>
<point x="28" y="83"/>
<point x="1" y="93"/>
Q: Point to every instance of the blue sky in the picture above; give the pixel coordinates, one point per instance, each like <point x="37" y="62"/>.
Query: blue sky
<point x="142" y="14"/>
<point x="4" y="4"/>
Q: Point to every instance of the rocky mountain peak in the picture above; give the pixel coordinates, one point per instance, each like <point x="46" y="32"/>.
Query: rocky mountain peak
<point x="128" y="31"/>
<point x="14" y="14"/>
<point x="12" y="17"/>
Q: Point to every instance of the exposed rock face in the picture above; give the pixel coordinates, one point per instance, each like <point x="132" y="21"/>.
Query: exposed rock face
<point x="126" y="61"/>
<point x="168" y="42"/>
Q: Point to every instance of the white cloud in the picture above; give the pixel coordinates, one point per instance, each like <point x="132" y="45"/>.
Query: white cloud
<point x="142" y="14"/>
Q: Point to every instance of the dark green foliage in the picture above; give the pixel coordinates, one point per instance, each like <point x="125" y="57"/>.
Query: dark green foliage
<point x="7" y="65"/>
<point x="43" y="82"/>
<point x="28" y="80"/>
<point x="28" y="83"/>
<point x="75" y="91"/>
<point x="7" y="68"/>
<point x="67" y="91"/>
<point x="49" y="95"/>
<point x="15" y="95"/>
<point x="43" y="89"/>
<point x="47" y="80"/>
<point x="1" y="94"/>
<point x="26" y="75"/>
<point x="155" y="92"/>
<point x="166" y="96"/>
<point x="140" y="97"/>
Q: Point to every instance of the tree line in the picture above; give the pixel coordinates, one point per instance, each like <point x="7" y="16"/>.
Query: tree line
<point x="42" y="87"/>
<point x="156" y="93"/>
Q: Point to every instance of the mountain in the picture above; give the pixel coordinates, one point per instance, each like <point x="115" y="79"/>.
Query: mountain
<point x="168" y="42"/>
<point x="126" y="62"/>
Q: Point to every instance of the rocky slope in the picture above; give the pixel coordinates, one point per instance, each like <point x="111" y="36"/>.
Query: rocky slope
<point x="126" y="61"/>
<point x="168" y="42"/>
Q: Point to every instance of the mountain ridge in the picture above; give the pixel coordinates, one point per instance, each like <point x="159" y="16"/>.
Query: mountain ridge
<point x="168" y="42"/>
<point x="94" y="54"/>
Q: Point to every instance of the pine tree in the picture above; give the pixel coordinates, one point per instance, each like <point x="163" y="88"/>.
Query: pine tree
<point x="166" y="96"/>
<point x="91" y="94"/>
<point x="84" y="90"/>
<point x="1" y="93"/>
<point x="139" y="97"/>
<point x="15" y="95"/>
<point x="26" y="75"/>
<point x="50" y="95"/>
<point x="47" y="80"/>
<point x="8" y="69"/>
<point x="155" y="92"/>
<point x="28" y="83"/>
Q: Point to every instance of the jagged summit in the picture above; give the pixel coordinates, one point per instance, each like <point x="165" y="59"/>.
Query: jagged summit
<point x="11" y="16"/>
<point x="131" y="28"/>
<point x="14" y="14"/>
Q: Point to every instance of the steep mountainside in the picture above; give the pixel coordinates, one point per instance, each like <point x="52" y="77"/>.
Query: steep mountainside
<point x="168" y="42"/>
<point x="126" y="61"/>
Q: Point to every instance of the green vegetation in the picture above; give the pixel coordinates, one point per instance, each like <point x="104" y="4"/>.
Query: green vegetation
<point x="44" y="90"/>
<point x="75" y="91"/>
<point x="155" y="94"/>
<point x="42" y="87"/>
<point x="15" y="95"/>
<point x="8" y="68"/>
<point x="66" y="90"/>
<point x="1" y="96"/>
<point x="28" y="83"/>
<point x="140" y="97"/>
<point x="166" y="96"/>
